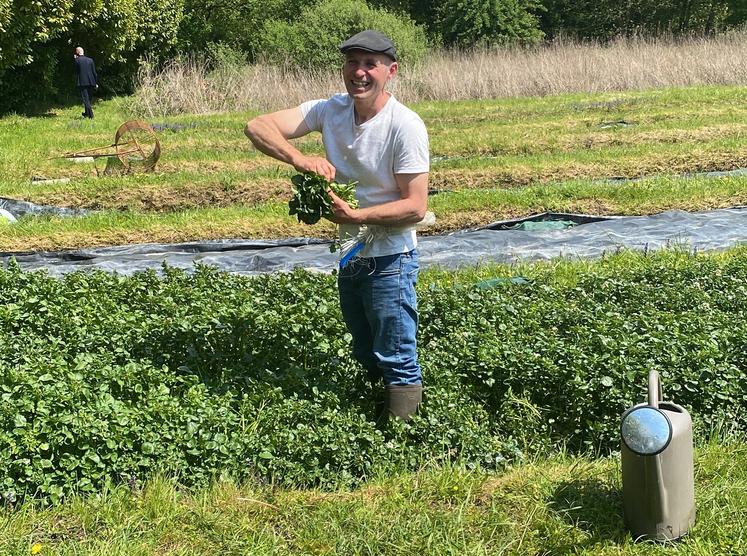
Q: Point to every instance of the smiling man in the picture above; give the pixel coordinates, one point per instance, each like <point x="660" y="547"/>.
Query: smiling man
<point x="371" y="138"/>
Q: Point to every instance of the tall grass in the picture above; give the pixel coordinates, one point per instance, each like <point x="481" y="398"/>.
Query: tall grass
<point x="189" y="86"/>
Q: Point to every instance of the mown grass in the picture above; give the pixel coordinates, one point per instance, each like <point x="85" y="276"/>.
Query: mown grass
<point x="455" y="209"/>
<point x="560" y="505"/>
<point x="497" y="158"/>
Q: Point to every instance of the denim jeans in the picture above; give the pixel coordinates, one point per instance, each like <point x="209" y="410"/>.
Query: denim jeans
<point x="379" y="305"/>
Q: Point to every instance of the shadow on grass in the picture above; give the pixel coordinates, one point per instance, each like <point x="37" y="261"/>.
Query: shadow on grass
<point x="45" y="107"/>
<point x="591" y="506"/>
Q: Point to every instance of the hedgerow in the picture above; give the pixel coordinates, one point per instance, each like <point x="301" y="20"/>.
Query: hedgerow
<point x="107" y="379"/>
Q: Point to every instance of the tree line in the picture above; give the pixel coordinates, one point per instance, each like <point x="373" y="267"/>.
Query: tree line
<point x="37" y="37"/>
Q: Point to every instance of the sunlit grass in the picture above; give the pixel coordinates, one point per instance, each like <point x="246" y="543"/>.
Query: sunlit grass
<point x="562" y="505"/>
<point x="492" y="159"/>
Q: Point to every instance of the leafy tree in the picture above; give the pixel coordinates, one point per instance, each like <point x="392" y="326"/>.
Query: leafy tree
<point x="234" y="23"/>
<point x="36" y="45"/>
<point x="311" y="40"/>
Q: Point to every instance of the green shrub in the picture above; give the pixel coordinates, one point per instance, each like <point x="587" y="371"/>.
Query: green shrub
<point x="311" y="40"/>
<point x="237" y="25"/>
<point x="488" y="22"/>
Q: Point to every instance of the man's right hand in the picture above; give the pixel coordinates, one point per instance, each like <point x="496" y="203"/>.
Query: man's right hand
<point x="316" y="164"/>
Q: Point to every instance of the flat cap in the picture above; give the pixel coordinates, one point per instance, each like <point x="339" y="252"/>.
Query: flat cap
<point x="370" y="41"/>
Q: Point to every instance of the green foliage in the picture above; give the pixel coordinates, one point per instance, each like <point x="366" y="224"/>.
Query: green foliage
<point x="235" y="24"/>
<point x="311" y="202"/>
<point x="608" y="19"/>
<point x="488" y="22"/>
<point x="107" y="379"/>
<point x="468" y="23"/>
<point x="579" y="354"/>
<point x="36" y="45"/>
<point x="311" y="39"/>
<point x="25" y="64"/>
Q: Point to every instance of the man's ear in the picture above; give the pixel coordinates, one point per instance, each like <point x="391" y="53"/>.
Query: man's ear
<point x="392" y="70"/>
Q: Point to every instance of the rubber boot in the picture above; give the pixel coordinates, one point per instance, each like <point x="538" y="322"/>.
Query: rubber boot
<point x="379" y="402"/>
<point x="402" y="400"/>
<point x="377" y="390"/>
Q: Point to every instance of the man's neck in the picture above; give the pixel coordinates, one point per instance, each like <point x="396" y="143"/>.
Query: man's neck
<point x="366" y="109"/>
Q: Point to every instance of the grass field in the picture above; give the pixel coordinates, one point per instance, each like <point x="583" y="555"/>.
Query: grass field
<point x="624" y="153"/>
<point x="616" y="153"/>
<point x="558" y="506"/>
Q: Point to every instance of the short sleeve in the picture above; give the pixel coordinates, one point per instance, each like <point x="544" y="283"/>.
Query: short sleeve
<point x="313" y="113"/>
<point x="411" y="154"/>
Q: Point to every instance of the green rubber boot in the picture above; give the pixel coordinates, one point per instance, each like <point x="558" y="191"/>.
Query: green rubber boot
<point x="402" y="400"/>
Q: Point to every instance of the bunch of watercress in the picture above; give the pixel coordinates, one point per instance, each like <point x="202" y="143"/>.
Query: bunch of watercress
<point x="311" y="202"/>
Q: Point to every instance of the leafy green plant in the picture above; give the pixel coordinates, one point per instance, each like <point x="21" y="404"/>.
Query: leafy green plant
<point x="108" y="379"/>
<point x="311" y="202"/>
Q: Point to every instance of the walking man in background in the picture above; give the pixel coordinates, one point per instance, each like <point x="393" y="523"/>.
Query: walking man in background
<point x="370" y="138"/>
<point x="85" y="75"/>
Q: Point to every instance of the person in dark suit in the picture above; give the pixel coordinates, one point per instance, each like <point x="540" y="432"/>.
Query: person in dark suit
<point x="86" y="79"/>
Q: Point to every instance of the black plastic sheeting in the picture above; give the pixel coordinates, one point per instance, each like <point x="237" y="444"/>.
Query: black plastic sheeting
<point x="593" y="236"/>
<point x="22" y="208"/>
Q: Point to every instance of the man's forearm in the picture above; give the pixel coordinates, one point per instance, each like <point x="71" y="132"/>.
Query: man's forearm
<point x="268" y="140"/>
<point x="400" y="212"/>
<point x="409" y="209"/>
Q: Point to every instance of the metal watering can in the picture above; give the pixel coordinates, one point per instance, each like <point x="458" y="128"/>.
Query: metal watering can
<point x="657" y="467"/>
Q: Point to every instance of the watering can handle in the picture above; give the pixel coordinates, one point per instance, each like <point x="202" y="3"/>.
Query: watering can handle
<point x="654" y="389"/>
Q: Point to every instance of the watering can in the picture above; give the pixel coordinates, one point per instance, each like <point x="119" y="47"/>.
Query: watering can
<point x="657" y="467"/>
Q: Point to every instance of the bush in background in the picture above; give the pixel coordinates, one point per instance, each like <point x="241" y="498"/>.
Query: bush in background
<point x="237" y="25"/>
<point x="490" y="22"/>
<point x="311" y="40"/>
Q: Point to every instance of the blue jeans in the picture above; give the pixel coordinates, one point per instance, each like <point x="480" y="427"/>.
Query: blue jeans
<point x="380" y="308"/>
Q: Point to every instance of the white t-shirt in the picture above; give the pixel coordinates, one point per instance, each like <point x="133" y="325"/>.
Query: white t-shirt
<point x="394" y="141"/>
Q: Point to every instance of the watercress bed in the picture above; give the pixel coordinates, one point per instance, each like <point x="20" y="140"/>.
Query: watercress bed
<point x="108" y="379"/>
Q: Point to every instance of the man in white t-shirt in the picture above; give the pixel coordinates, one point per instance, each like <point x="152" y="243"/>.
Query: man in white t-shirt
<point x="370" y="138"/>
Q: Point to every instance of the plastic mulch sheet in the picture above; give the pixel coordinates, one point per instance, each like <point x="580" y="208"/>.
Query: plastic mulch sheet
<point x="577" y="236"/>
<point x="22" y="208"/>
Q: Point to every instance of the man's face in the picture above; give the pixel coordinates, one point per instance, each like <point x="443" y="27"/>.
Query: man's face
<point x="366" y="73"/>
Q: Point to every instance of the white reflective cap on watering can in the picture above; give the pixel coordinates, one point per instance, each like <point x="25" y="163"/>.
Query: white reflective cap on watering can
<point x="657" y="467"/>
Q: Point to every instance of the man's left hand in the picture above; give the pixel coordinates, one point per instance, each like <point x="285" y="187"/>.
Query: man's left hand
<point x="343" y="213"/>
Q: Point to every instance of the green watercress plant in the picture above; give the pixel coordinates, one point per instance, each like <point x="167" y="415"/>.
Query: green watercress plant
<point x="311" y="202"/>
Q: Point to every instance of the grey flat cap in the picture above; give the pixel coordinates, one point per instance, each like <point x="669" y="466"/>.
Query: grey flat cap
<point x="370" y="41"/>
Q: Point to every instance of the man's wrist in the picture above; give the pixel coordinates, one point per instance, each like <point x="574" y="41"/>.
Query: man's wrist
<point x="357" y="216"/>
<point x="297" y="160"/>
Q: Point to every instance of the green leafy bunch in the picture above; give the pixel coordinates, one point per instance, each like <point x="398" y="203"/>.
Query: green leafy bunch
<point x="311" y="202"/>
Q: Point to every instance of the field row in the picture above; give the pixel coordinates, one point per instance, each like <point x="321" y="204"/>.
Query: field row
<point x="105" y="378"/>
<point x="495" y="159"/>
